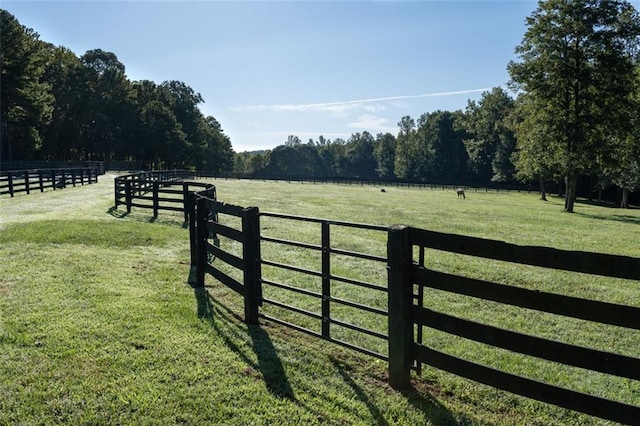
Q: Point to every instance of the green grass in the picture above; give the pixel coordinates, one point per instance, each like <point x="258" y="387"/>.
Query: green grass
<point x="98" y="324"/>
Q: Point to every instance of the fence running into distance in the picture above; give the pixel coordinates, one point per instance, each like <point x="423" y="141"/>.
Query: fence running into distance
<point x="409" y="278"/>
<point x="27" y="181"/>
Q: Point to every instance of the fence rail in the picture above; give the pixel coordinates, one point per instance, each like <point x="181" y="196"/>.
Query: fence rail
<point x="27" y="181"/>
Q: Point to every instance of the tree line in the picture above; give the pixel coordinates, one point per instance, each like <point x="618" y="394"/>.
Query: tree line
<point x="573" y="117"/>
<point x="56" y="106"/>
<point x="473" y="147"/>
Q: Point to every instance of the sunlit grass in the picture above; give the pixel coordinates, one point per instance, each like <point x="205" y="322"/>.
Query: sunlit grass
<point x="98" y="324"/>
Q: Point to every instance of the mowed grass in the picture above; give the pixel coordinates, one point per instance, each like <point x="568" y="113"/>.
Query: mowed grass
<point x="99" y="326"/>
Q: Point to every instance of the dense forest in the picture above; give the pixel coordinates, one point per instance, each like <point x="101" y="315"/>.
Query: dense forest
<point x="574" y="118"/>
<point x="60" y="107"/>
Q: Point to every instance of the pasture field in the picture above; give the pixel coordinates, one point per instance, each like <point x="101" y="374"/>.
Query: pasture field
<point x="99" y="326"/>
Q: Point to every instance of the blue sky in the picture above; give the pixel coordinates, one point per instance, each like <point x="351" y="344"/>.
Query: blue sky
<point x="269" y="69"/>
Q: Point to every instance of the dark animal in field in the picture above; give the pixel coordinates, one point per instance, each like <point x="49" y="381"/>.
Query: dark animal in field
<point x="60" y="184"/>
<point x="460" y="192"/>
<point x="382" y="190"/>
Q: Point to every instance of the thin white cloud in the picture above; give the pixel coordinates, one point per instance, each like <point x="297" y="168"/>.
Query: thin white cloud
<point x="302" y="134"/>
<point x="343" y="106"/>
<point x="372" y="123"/>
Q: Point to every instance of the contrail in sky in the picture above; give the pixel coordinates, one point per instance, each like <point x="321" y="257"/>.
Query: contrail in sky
<point x="343" y="105"/>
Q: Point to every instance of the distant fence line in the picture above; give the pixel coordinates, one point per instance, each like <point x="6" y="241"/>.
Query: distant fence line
<point x="356" y="181"/>
<point x="406" y="349"/>
<point x="27" y="181"/>
<point x="48" y="165"/>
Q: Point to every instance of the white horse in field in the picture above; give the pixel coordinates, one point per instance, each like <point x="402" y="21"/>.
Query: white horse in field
<point x="460" y="192"/>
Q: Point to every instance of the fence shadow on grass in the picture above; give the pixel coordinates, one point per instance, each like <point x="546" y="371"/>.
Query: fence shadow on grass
<point x="344" y="371"/>
<point x="421" y="400"/>
<point x="269" y="363"/>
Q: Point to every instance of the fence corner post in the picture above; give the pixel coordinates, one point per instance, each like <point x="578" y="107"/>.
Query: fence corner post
<point x="400" y="293"/>
<point x="251" y="256"/>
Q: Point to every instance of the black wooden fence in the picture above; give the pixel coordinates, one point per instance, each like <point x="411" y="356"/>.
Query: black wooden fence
<point x="158" y="190"/>
<point x="405" y="271"/>
<point x="405" y="312"/>
<point x="27" y="181"/>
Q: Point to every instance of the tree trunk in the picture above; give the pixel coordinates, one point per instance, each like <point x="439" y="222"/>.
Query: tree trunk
<point x="570" y="197"/>
<point x="624" y="202"/>
<point x="543" y="190"/>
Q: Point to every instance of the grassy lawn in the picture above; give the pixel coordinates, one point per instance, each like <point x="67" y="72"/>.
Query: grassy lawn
<point x="99" y="326"/>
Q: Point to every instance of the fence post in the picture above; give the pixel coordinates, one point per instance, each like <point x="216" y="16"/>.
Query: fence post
<point x="10" y="176"/>
<point x="127" y="194"/>
<point x="399" y="260"/>
<point x="326" y="280"/>
<point x="185" y="201"/>
<point x="251" y="256"/>
<point x="40" y="181"/>
<point x="26" y="181"/>
<point x="201" y="240"/>
<point x="156" y="201"/>
<point x="116" y="191"/>
<point x="193" y="241"/>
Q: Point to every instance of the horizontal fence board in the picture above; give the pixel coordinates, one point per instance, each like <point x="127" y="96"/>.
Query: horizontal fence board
<point x="142" y="206"/>
<point x="293" y="289"/>
<point x="290" y="325"/>
<point x="330" y="222"/>
<point x="225" y="231"/>
<point x="359" y="255"/>
<point x="171" y="208"/>
<point x="292" y="308"/>
<point x="566" y="398"/>
<point x="225" y="279"/>
<point x="577" y="261"/>
<point x="170" y="200"/>
<point x="291" y="268"/>
<point x="358" y="349"/>
<point x="358" y="329"/>
<point x="358" y="283"/>
<point x="224" y="208"/>
<point x="590" y="359"/>
<point x="590" y="310"/>
<point x="170" y="191"/>
<point x="359" y="306"/>
<point x="291" y="243"/>
<point x="224" y="256"/>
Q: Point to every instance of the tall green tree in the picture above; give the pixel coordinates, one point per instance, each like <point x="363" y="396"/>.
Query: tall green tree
<point x="489" y="140"/>
<point x="26" y="101"/>
<point x="385" y="153"/>
<point x="66" y="76"/>
<point x="576" y="64"/>
<point x="106" y="105"/>
<point x="362" y="162"/>
<point x="406" y="156"/>
<point x="538" y="155"/>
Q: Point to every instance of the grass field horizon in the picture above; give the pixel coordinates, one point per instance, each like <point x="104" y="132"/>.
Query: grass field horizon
<point x="98" y="324"/>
